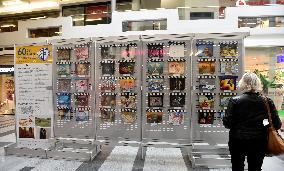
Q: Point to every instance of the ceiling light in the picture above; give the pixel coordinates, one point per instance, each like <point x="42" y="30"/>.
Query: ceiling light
<point x="8" y="25"/>
<point x="37" y="18"/>
<point x="96" y="19"/>
<point x="13" y="2"/>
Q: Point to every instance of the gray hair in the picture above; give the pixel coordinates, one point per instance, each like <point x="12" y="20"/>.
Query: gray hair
<point x="250" y="83"/>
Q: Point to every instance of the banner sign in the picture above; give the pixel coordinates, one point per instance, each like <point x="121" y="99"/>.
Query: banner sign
<point x="34" y="54"/>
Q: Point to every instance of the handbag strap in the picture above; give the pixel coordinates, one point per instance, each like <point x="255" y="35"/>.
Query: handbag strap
<point x="269" y="113"/>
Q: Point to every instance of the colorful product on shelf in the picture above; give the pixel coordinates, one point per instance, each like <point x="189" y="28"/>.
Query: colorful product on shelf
<point x="63" y="69"/>
<point x="155" y="68"/>
<point x="206" y="101"/>
<point x="64" y="114"/>
<point x="206" y="117"/>
<point x="154" y="117"/>
<point x="63" y="54"/>
<point x="206" y="84"/>
<point x="176" y="67"/>
<point x="127" y="100"/>
<point x="128" y="117"/>
<point x="108" y="68"/>
<point x="126" y="67"/>
<point x="107" y="115"/>
<point x="64" y="100"/>
<point x="82" y="69"/>
<point x="82" y="53"/>
<point x="176" y="51"/>
<point x="81" y="85"/>
<point x="127" y="84"/>
<point x="228" y="50"/>
<point x="177" y="100"/>
<point x="108" y="52"/>
<point x="108" y="100"/>
<point x="177" y="83"/>
<point x="82" y="100"/>
<point x="228" y="82"/>
<point x="108" y="84"/>
<point x="229" y="67"/>
<point x="82" y="116"/>
<point x="155" y="51"/>
<point x="155" y="100"/>
<point x="204" y="50"/>
<point x="64" y="85"/>
<point x="206" y="67"/>
<point x="176" y="117"/>
<point x="155" y="84"/>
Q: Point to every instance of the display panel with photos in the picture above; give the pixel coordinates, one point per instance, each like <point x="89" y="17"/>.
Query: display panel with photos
<point x="81" y="85"/>
<point x="127" y="84"/>
<point x="155" y="99"/>
<point x="229" y="49"/>
<point x="108" y="67"/>
<point x="176" y="117"/>
<point x="155" y="50"/>
<point x="177" y="99"/>
<point x="128" y="100"/>
<point x="176" y="67"/>
<point x="107" y="115"/>
<point x="229" y="67"/>
<point x="64" y="85"/>
<point x="64" y="114"/>
<point x="82" y="69"/>
<point x="63" y="69"/>
<point x="81" y="99"/>
<point x="64" y="100"/>
<point x="206" y="117"/>
<point x="128" y="116"/>
<point x="225" y="98"/>
<point x="108" y="100"/>
<point x="176" y="50"/>
<point x="154" y="116"/>
<point x="228" y="83"/>
<point x="155" y="67"/>
<point x="128" y="52"/>
<point x="108" y="52"/>
<point x="177" y="82"/>
<point x="207" y="84"/>
<point x="82" y="53"/>
<point x="206" y="67"/>
<point x="64" y="54"/>
<point x="155" y="83"/>
<point x="126" y="67"/>
<point x="82" y="115"/>
<point x="204" y="49"/>
<point x="206" y="100"/>
<point x="108" y="84"/>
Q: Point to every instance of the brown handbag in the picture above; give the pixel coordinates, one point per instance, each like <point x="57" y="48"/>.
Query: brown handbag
<point x="275" y="144"/>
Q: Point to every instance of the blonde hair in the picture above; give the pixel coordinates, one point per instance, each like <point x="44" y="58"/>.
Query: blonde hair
<point x="250" y="83"/>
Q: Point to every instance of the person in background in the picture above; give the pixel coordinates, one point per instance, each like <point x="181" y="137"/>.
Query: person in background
<point x="247" y="119"/>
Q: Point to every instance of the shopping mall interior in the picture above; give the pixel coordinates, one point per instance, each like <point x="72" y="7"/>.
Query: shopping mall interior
<point x="131" y="85"/>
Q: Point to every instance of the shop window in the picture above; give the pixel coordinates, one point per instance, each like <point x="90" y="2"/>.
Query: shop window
<point x="9" y="48"/>
<point x="45" y="32"/>
<point x="261" y="22"/>
<point x="201" y="15"/>
<point x="144" y="25"/>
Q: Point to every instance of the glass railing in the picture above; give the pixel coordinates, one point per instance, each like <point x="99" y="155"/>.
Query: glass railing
<point x="143" y="25"/>
<point x="91" y="19"/>
<point x="261" y="22"/>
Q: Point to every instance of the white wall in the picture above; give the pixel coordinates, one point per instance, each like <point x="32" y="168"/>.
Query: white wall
<point x="264" y="36"/>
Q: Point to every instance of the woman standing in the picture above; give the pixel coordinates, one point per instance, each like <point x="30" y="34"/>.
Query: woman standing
<point x="247" y="119"/>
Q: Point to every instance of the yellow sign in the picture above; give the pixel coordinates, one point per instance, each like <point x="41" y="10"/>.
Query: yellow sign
<point x="33" y="54"/>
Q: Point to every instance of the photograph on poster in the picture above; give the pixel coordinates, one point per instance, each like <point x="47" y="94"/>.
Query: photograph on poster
<point x="26" y="121"/>
<point x="128" y="117"/>
<point x="108" y="100"/>
<point x="206" y="67"/>
<point x="204" y="50"/>
<point x="176" y="51"/>
<point x="108" y="84"/>
<point x="224" y="100"/>
<point x="176" y="67"/>
<point x="108" y="52"/>
<point x="108" y="68"/>
<point x="128" y="52"/>
<point x="63" y="54"/>
<point x="228" y="50"/>
<point x="177" y="100"/>
<point x="228" y="82"/>
<point x="43" y="122"/>
<point x="64" y="85"/>
<point x="42" y="133"/>
<point x="229" y="67"/>
<point x="206" y="84"/>
<point x="127" y="85"/>
<point x="155" y="51"/>
<point x="82" y="69"/>
<point x="155" y="100"/>
<point x="82" y="116"/>
<point x="176" y="118"/>
<point x="64" y="100"/>
<point x="177" y="83"/>
<point x="126" y="67"/>
<point x="154" y="117"/>
<point x="107" y="116"/>
<point x="26" y="132"/>
<point x="81" y="100"/>
<point x="206" y="117"/>
<point x="64" y="114"/>
<point x="82" y="53"/>
<point x="128" y="101"/>
<point x="155" y="84"/>
<point x="206" y="101"/>
<point x="155" y="68"/>
<point x="82" y="85"/>
<point x="63" y="69"/>
<point x="26" y="110"/>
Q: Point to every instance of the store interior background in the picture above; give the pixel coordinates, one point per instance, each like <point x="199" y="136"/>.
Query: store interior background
<point x="48" y="20"/>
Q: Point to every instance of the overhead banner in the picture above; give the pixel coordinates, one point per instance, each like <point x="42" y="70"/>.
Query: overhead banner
<point x="34" y="105"/>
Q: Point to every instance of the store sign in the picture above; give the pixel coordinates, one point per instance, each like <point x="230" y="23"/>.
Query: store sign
<point x="34" y="54"/>
<point x="280" y="58"/>
<point x="264" y="3"/>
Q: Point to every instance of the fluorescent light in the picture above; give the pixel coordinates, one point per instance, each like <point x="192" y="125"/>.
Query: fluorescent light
<point x="78" y="19"/>
<point x="29" y="6"/>
<point x="96" y="19"/>
<point x="37" y="18"/>
<point x="160" y="8"/>
<point x="251" y="23"/>
<point x="6" y="70"/>
<point x="8" y="25"/>
<point x="14" y="2"/>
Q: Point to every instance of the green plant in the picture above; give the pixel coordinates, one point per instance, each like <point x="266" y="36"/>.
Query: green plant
<point x="266" y="83"/>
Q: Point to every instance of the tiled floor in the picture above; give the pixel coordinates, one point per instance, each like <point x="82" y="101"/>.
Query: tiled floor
<point x="115" y="159"/>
